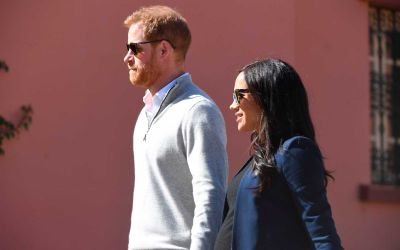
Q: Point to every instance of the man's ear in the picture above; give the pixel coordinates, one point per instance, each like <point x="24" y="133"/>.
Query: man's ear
<point x="165" y="48"/>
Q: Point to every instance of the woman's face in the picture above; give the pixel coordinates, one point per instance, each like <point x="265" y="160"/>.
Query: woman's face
<point x="247" y="112"/>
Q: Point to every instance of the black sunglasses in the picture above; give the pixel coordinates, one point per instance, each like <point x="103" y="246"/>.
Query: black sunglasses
<point x="136" y="49"/>
<point x="238" y="94"/>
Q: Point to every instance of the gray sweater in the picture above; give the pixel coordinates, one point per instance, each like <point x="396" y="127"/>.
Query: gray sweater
<point x="180" y="172"/>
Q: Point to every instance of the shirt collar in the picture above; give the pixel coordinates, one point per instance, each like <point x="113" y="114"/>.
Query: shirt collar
<point x="153" y="103"/>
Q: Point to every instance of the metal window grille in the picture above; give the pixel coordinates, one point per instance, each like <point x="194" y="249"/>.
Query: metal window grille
<point x="384" y="41"/>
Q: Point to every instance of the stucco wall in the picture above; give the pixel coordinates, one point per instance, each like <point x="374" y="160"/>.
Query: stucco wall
<point x="67" y="183"/>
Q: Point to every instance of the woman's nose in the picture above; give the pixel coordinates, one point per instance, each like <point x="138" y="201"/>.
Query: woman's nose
<point x="234" y="106"/>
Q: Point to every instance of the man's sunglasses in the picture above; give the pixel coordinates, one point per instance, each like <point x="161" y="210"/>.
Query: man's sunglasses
<point x="238" y="94"/>
<point x="136" y="48"/>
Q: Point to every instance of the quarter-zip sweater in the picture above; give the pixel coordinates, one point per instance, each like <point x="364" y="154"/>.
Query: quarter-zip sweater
<point x="180" y="172"/>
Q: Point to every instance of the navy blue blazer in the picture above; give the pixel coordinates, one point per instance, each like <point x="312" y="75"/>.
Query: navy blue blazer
<point x="293" y="212"/>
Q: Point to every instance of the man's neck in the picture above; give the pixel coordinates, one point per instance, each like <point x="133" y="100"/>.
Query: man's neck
<point x="165" y="80"/>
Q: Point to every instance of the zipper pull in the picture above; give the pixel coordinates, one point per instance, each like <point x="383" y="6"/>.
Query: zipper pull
<point x="145" y="135"/>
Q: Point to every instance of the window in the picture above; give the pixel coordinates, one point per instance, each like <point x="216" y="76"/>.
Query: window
<point x="384" y="41"/>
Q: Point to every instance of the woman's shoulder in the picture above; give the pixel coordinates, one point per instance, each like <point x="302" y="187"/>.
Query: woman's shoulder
<point x="298" y="141"/>
<point x="299" y="145"/>
<point x="299" y="149"/>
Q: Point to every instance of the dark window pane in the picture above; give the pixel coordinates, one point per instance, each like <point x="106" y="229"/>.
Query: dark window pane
<point x="384" y="41"/>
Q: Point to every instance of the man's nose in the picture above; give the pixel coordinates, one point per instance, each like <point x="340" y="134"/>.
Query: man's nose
<point x="128" y="57"/>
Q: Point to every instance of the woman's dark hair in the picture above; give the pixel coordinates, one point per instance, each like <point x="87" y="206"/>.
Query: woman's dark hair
<point x="278" y="90"/>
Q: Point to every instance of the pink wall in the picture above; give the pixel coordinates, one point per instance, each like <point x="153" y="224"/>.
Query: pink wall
<point x="67" y="183"/>
<point x="332" y="55"/>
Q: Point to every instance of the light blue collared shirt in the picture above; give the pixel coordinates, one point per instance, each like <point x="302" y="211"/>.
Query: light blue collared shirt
<point x="153" y="103"/>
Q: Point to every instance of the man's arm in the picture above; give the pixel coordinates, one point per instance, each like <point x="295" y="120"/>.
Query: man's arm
<point x="205" y="141"/>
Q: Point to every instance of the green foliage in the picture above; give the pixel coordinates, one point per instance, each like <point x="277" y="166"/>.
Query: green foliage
<point x="3" y="66"/>
<point x="8" y="130"/>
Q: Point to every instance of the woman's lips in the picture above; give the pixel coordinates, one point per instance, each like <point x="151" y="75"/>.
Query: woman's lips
<point x="238" y="116"/>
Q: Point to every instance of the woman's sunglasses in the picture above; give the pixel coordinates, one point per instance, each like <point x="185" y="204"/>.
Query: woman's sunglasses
<point x="238" y="94"/>
<point x="136" y="48"/>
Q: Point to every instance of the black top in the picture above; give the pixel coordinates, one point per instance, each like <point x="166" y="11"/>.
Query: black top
<point x="224" y="237"/>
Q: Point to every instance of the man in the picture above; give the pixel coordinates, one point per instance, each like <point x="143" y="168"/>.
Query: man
<point x="179" y="140"/>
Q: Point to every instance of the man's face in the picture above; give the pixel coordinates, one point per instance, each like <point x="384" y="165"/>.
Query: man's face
<point x="143" y="66"/>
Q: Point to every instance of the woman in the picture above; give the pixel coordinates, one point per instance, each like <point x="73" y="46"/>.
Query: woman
<point x="278" y="199"/>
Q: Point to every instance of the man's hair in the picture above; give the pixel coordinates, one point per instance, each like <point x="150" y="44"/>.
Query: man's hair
<point x="162" y="22"/>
